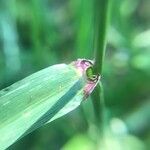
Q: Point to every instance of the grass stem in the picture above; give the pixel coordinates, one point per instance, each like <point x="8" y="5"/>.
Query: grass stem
<point x="101" y="23"/>
<point x="101" y="8"/>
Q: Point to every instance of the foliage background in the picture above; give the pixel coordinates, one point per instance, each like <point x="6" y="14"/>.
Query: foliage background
<point x="37" y="33"/>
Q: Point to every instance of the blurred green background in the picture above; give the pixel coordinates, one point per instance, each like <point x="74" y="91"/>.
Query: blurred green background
<point x="35" y="34"/>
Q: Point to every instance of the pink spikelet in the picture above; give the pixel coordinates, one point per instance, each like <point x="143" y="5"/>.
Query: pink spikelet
<point x="82" y="65"/>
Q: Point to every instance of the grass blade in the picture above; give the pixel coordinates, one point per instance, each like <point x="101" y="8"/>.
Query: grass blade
<point x="41" y="98"/>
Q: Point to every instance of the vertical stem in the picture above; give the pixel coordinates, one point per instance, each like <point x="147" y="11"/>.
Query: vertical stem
<point x="100" y="20"/>
<point x="101" y="8"/>
<point x="99" y="106"/>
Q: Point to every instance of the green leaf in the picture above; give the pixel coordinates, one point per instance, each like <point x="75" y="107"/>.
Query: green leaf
<point x="41" y="98"/>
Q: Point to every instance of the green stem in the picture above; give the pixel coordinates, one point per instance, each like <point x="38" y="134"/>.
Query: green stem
<point x="99" y="105"/>
<point x="101" y="8"/>
<point x="101" y="23"/>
